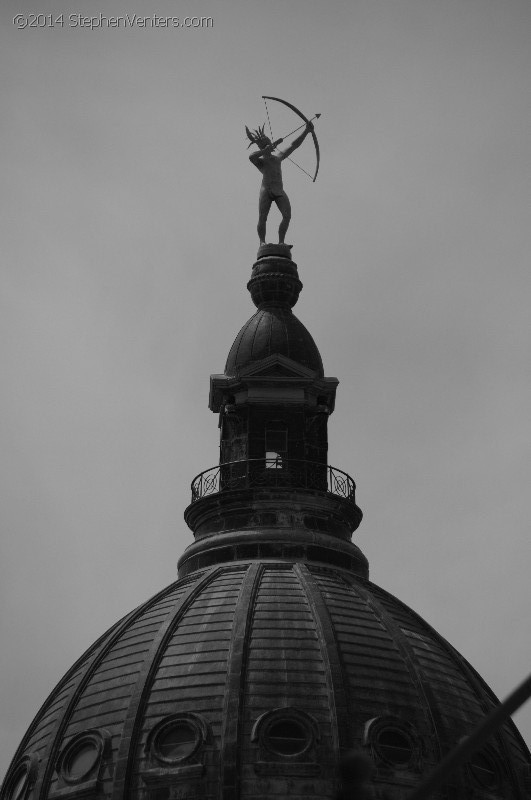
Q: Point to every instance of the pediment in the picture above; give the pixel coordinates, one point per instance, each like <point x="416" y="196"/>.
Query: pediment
<point x="277" y="366"/>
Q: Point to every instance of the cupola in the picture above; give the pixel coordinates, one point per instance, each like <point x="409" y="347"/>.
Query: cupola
<point x="273" y="490"/>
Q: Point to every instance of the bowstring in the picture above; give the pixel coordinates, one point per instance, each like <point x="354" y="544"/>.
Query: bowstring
<point x="269" y="121"/>
<point x="299" y="166"/>
<point x="276" y="148"/>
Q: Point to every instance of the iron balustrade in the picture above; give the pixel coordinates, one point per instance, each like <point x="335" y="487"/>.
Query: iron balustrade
<point x="273" y="472"/>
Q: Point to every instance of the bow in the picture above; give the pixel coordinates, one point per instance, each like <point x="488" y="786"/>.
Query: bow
<point x="306" y="120"/>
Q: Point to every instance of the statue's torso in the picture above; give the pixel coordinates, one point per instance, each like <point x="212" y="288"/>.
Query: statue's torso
<point x="272" y="173"/>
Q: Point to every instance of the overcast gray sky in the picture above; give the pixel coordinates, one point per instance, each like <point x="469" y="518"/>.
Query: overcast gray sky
<point x="128" y="229"/>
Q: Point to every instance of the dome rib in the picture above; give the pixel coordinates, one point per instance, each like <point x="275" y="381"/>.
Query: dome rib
<point x="339" y="704"/>
<point x="284" y="333"/>
<point x="270" y="332"/>
<point x="232" y="712"/>
<point x="259" y="317"/>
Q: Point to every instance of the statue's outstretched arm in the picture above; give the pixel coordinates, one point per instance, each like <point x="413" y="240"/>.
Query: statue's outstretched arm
<point x="296" y="142"/>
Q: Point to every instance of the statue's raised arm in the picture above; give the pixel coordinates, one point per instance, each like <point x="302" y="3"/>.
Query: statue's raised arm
<point x="296" y="142"/>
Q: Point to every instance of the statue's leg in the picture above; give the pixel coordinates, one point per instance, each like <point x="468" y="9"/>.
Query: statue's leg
<point x="285" y="209"/>
<point x="264" y="204"/>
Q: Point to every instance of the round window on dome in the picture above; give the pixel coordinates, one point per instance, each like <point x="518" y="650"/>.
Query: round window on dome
<point x="287" y="737"/>
<point x="81" y="758"/>
<point x="484" y="770"/>
<point x="394" y="746"/>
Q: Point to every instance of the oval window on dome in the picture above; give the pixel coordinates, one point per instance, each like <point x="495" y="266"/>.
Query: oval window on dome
<point x="484" y="770"/>
<point x="395" y="746"/>
<point x="177" y="738"/>
<point x="176" y="741"/>
<point x="287" y="737"/>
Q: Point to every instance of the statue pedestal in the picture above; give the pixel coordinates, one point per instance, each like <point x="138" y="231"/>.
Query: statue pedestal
<point x="277" y="250"/>
<point x="274" y="277"/>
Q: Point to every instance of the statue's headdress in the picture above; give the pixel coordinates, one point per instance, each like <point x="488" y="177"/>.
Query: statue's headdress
<point x="255" y="136"/>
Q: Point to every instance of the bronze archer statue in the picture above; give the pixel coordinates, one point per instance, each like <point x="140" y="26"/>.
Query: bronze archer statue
<point x="272" y="190"/>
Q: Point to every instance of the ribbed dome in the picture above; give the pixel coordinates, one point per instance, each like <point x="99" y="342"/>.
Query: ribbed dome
<point x="246" y="679"/>
<point x="273" y="330"/>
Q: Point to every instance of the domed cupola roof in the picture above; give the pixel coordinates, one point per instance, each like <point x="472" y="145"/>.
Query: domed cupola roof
<point x="274" y="329"/>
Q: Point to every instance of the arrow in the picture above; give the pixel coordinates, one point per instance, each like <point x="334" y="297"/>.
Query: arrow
<point x="316" y="116"/>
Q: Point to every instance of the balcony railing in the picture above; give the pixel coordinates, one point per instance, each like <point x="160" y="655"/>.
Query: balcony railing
<point x="273" y="472"/>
